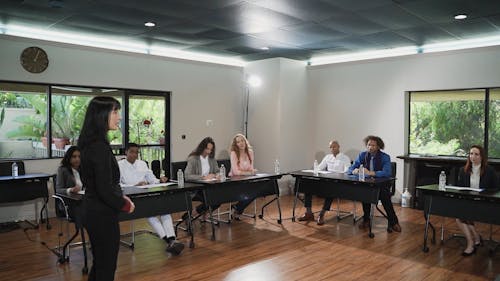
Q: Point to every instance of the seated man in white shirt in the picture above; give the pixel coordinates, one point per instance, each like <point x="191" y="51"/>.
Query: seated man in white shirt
<point x="335" y="162"/>
<point x="136" y="172"/>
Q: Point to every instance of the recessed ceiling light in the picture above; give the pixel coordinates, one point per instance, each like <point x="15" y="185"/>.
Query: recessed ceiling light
<point x="265" y="48"/>
<point x="150" y="24"/>
<point x="460" y="17"/>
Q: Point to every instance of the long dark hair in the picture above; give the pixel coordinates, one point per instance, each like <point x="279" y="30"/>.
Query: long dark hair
<point x="66" y="161"/>
<point x="95" y="126"/>
<point x="202" y="145"/>
<point x="484" y="160"/>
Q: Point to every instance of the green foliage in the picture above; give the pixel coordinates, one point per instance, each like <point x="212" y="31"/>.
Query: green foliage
<point x="446" y="128"/>
<point x="146" y="109"/>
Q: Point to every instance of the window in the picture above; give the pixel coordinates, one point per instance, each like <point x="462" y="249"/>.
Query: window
<point x="147" y="125"/>
<point x="68" y="108"/>
<point x="494" y="124"/>
<point x="448" y="122"/>
<point x="23" y="120"/>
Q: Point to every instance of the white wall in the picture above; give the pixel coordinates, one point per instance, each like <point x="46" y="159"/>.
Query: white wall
<point x="200" y="91"/>
<point x="279" y="115"/>
<point x="352" y="100"/>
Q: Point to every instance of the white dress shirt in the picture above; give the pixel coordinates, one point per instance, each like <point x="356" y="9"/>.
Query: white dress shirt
<point x="132" y="174"/>
<point x="205" y="166"/>
<point x="475" y="176"/>
<point x="338" y="164"/>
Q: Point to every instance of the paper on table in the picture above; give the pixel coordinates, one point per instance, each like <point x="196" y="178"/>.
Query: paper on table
<point x="463" y="188"/>
<point x="156" y="185"/>
<point x="319" y="172"/>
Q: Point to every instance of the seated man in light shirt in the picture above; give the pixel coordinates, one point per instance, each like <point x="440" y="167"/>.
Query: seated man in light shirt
<point x="335" y="162"/>
<point x="136" y="172"/>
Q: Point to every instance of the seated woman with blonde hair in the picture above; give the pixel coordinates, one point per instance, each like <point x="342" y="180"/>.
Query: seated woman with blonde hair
<point x="242" y="159"/>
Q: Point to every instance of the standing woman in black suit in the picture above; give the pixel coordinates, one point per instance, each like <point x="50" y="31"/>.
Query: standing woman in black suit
<point x="101" y="177"/>
<point x="476" y="174"/>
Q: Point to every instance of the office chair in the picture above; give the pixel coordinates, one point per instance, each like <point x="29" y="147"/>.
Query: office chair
<point x="63" y="212"/>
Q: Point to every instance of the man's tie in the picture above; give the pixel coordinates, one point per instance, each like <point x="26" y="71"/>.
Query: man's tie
<point x="371" y="164"/>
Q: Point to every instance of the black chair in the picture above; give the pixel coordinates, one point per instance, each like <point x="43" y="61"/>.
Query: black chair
<point x="175" y="166"/>
<point x="64" y="212"/>
<point x="155" y="167"/>
<point x="6" y="168"/>
<point x="392" y="188"/>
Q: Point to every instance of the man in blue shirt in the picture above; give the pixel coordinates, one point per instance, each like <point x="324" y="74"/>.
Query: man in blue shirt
<point x="376" y="164"/>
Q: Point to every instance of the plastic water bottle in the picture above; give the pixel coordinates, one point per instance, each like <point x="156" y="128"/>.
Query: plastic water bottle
<point x="180" y="178"/>
<point x="15" y="170"/>
<point x="406" y="199"/>
<point x="276" y="166"/>
<point x="222" y="172"/>
<point x="315" y="167"/>
<point x="442" y="181"/>
<point x="361" y="172"/>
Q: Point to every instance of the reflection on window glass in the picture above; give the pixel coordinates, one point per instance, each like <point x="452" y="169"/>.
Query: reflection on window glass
<point x="147" y="125"/>
<point x="494" y="124"/>
<point x="446" y="122"/>
<point x="147" y="119"/>
<point x="23" y="121"/>
<point x="69" y="105"/>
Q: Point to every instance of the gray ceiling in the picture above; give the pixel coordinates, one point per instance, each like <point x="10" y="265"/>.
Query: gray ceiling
<point x="295" y="29"/>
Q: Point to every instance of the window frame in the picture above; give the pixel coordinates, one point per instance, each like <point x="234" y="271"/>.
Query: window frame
<point x="486" y="107"/>
<point x="127" y="93"/>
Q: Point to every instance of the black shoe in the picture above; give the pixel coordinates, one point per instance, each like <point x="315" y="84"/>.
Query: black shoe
<point x="465" y="254"/>
<point x="175" y="247"/>
<point x="480" y="243"/>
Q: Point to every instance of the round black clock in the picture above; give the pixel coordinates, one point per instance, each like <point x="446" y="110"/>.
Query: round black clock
<point x="34" y="59"/>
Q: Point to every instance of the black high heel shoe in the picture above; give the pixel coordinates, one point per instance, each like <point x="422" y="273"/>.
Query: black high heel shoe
<point x="476" y="245"/>
<point x="465" y="254"/>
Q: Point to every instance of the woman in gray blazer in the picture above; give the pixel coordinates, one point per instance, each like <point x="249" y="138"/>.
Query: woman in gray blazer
<point x="201" y="165"/>
<point x="68" y="174"/>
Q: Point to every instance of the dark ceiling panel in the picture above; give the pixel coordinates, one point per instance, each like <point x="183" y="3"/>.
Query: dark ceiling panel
<point x="391" y="16"/>
<point x="426" y="34"/>
<point x="353" y="24"/>
<point x="389" y="39"/>
<point x="470" y="28"/>
<point x="310" y="10"/>
<point x="295" y="29"/>
<point x="358" y="4"/>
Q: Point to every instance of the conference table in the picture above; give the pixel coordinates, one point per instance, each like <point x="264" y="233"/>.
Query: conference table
<point x="159" y="200"/>
<point x="340" y="185"/>
<point x="236" y="188"/>
<point x="25" y="188"/>
<point x="481" y="206"/>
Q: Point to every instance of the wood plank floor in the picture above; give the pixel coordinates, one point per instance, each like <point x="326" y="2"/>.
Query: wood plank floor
<point x="265" y="250"/>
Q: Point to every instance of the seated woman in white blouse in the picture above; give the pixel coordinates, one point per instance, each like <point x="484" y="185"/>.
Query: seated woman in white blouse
<point x="242" y="159"/>
<point x="68" y="175"/>
<point x="201" y="165"/>
<point x="476" y="174"/>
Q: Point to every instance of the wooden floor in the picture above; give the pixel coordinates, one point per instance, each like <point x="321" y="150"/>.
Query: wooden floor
<point x="265" y="250"/>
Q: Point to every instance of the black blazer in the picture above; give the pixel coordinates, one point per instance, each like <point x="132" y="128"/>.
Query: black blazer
<point x="101" y="177"/>
<point x="65" y="179"/>
<point x="487" y="181"/>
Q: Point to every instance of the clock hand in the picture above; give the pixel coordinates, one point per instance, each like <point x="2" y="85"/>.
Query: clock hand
<point x="36" y="56"/>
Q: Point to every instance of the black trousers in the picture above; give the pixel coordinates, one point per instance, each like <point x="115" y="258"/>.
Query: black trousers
<point x="385" y="197"/>
<point x="308" y="202"/>
<point x="202" y="208"/>
<point x="242" y="204"/>
<point x="104" y="234"/>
